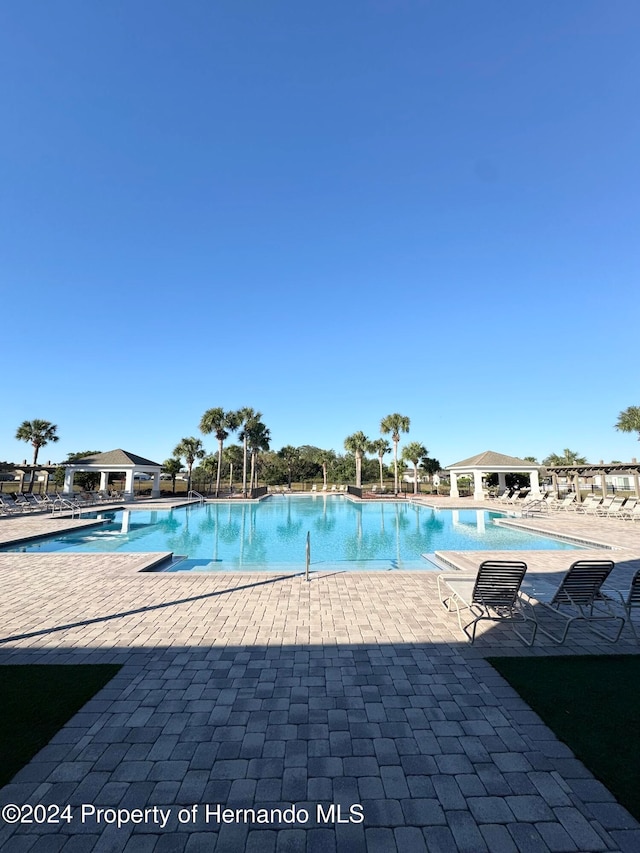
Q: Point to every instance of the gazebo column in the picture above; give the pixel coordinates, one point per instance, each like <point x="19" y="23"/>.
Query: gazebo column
<point x="535" y="484"/>
<point x="68" y="481"/>
<point x="155" y="491"/>
<point x="477" y="486"/>
<point x="502" y="482"/>
<point x="128" y="485"/>
<point x="104" y="481"/>
<point x="454" y="493"/>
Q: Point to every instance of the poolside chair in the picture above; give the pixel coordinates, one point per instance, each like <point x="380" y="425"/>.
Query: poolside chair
<point x="10" y="507"/>
<point x="589" y="504"/>
<point x="493" y="595"/>
<point x="563" y="505"/>
<point x="603" y="508"/>
<point x="628" y="508"/>
<point x="613" y="508"/>
<point x="314" y="488"/>
<point x="23" y="502"/>
<point x="576" y="599"/>
<point x="629" y="601"/>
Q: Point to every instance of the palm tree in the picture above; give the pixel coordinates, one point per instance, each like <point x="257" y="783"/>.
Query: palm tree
<point x="209" y="465"/>
<point x="37" y="433"/>
<point x="324" y="458"/>
<point x="234" y="457"/>
<point x="569" y="457"/>
<point x="221" y="423"/>
<point x="629" y="420"/>
<point x="380" y="446"/>
<point x="258" y="439"/>
<point x="191" y="448"/>
<point x="290" y="456"/>
<point x="246" y="416"/>
<point x="358" y="444"/>
<point x="430" y="466"/>
<point x="413" y="452"/>
<point x="172" y="467"/>
<point x="395" y="424"/>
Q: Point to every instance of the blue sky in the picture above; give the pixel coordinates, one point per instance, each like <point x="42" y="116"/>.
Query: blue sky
<point x="326" y="211"/>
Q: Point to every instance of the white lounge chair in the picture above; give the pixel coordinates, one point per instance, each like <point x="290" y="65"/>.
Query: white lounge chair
<point x="589" y="504"/>
<point x="578" y="598"/>
<point x="628" y="508"/>
<point x="566" y="503"/>
<point x="493" y="594"/>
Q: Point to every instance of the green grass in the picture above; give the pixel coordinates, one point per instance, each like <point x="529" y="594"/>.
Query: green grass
<point x="36" y="701"/>
<point x="592" y="704"/>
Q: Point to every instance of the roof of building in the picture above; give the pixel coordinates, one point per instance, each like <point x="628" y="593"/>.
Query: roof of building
<point x="115" y="457"/>
<point x="490" y="459"/>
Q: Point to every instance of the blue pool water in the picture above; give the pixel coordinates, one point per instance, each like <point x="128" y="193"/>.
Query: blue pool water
<point x="272" y="535"/>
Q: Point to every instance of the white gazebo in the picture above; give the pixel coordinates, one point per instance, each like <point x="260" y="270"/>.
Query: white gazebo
<point x="115" y="462"/>
<point x="490" y="462"/>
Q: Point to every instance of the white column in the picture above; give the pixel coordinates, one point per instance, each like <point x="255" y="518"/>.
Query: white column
<point x="477" y="486"/>
<point x="128" y="485"/>
<point x="535" y="484"/>
<point x="155" y="490"/>
<point x="502" y="482"/>
<point x="104" y="481"/>
<point x="454" y="493"/>
<point x="68" y="481"/>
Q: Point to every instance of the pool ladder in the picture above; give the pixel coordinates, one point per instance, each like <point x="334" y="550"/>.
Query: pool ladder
<point x="193" y="494"/>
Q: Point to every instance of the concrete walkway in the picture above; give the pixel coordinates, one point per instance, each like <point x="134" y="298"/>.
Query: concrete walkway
<point x="262" y="691"/>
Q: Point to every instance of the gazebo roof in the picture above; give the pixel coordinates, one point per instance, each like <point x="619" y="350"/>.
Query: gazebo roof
<point x="115" y="457"/>
<point x="490" y="459"/>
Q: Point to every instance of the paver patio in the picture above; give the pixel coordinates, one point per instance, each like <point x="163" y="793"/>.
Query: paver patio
<point x="261" y="690"/>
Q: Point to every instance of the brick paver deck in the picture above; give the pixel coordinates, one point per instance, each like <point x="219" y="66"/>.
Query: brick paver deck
<point x="262" y="691"/>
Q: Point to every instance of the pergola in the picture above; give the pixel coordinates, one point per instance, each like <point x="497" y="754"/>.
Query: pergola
<point x="32" y="471"/>
<point x="490" y="462"/>
<point x="574" y="472"/>
<point x="115" y="462"/>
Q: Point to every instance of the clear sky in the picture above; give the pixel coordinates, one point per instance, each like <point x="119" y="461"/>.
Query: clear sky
<point x="327" y="211"/>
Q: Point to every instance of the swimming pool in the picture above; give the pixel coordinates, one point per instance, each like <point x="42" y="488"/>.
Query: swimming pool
<point x="271" y="535"/>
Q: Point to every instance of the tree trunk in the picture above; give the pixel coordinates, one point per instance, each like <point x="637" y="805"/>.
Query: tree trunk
<point x="395" y="466"/>
<point x="415" y="478"/>
<point x="244" y="465"/>
<point x="324" y="475"/>
<point x="219" y="471"/>
<point x="381" y="480"/>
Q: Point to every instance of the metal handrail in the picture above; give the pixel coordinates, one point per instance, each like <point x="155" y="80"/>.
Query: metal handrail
<point x="308" y="555"/>
<point x="193" y="494"/>
<point x="65" y="505"/>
